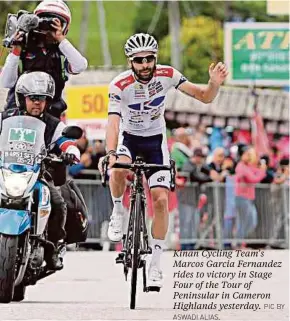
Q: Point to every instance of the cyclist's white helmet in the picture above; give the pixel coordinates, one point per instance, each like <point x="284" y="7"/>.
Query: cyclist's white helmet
<point x="140" y="42"/>
<point x="55" y="9"/>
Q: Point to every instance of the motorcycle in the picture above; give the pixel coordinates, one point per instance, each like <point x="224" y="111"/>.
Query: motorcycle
<point x="25" y="204"/>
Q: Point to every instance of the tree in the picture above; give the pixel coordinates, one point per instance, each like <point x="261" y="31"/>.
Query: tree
<point x="202" y="44"/>
<point x="218" y="10"/>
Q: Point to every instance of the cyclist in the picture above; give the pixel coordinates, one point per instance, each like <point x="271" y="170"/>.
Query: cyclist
<point x="136" y="126"/>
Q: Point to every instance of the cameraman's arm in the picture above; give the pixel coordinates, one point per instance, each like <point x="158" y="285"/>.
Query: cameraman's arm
<point x="9" y="74"/>
<point x="77" y="63"/>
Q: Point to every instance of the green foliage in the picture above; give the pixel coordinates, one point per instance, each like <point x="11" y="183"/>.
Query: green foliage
<point x="12" y="7"/>
<point x="119" y="22"/>
<point x="144" y="15"/>
<point x="218" y="10"/>
<point x="202" y="43"/>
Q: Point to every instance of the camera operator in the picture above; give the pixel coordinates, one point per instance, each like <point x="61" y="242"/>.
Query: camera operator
<point x="43" y="48"/>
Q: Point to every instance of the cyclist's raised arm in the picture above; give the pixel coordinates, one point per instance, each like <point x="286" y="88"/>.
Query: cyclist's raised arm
<point x="206" y="94"/>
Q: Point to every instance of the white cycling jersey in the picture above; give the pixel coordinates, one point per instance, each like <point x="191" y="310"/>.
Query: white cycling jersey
<point x="141" y="106"/>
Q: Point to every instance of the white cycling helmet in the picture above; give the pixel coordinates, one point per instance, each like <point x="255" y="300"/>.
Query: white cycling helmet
<point x="55" y="9"/>
<point x="140" y="42"/>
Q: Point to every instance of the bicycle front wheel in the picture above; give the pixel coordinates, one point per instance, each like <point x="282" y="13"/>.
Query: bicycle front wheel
<point x="137" y="213"/>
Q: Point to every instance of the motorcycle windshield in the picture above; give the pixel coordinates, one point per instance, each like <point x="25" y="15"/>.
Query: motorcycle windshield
<point x="21" y="139"/>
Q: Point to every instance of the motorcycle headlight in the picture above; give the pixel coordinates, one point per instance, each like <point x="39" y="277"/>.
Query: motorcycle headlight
<point x="16" y="183"/>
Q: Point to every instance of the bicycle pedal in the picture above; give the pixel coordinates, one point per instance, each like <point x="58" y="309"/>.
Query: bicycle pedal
<point x="142" y="264"/>
<point x="153" y="289"/>
<point x="120" y="258"/>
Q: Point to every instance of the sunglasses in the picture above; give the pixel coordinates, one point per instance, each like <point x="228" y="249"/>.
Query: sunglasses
<point x="37" y="97"/>
<point x="141" y="60"/>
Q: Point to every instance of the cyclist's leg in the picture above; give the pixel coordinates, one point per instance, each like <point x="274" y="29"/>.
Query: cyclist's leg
<point x="159" y="183"/>
<point x="117" y="187"/>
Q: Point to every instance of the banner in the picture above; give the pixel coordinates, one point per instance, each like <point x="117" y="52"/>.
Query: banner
<point x="88" y="108"/>
<point x="257" y="53"/>
<point x="278" y="7"/>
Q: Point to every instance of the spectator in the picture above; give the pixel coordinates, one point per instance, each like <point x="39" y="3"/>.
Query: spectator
<point x="217" y="160"/>
<point x="99" y="151"/>
<point x="189" y="217"/>
<point x="282" y="174"/>
<point x="85" y="163"/>
<point x="194" y="165"/>
<point x="181" y="150"/>
<point x="230" y="200"/>
<point x="215" y="167"/>
<point x="247" y="174"/>
<point x="268" y="179"/>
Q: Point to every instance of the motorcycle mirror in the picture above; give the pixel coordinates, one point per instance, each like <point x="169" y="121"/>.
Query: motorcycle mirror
<point x="73" y="132"/>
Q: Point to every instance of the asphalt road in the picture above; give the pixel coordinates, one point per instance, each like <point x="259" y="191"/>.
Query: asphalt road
<point x="92" y="287"/>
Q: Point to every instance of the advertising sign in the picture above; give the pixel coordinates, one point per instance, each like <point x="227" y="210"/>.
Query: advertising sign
<point x="257" y="53"/>
<point x="88" y="108"/>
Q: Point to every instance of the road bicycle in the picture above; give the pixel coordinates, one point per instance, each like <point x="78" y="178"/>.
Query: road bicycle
<point x="135" y="241"/>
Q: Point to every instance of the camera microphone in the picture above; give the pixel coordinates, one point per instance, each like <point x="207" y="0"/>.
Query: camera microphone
<point x="27" y="22"/>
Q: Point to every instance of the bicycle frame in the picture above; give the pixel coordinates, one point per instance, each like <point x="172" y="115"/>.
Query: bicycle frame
<point x="135" y="241"/>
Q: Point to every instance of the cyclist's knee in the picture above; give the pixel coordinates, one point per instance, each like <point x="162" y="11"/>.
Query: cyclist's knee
<point x="119" y="174"/>
<point x="160" y="198"/>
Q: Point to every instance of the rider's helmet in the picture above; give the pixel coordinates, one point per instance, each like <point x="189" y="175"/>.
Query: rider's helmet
<point x="55" y="9"/>
<point x="34" y="83"/>
<point x="140" y="42"/>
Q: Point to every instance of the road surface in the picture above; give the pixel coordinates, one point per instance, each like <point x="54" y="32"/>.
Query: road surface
<point x="92" y="287"/>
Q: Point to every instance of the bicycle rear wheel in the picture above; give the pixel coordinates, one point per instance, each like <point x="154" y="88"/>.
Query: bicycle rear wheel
<point x="136" y="247"/>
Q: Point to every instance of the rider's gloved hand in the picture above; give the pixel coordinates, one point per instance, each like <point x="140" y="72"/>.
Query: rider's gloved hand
<point x="111" y="158"/>
<point x="69" y="159"/>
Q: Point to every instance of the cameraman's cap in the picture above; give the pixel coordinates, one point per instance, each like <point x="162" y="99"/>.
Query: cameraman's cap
<point x="198" y="152"/>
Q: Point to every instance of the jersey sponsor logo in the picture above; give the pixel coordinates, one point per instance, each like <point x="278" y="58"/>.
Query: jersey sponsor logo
<point x="138" y="86"/>
<point x="123" y="83"/>
<point x="161" y="179"/>
<point x="135" y="106"/>
<point x="164" y="72"/>
<point x="114" y="98"/>
<point x="181" y="81"/>
<point x="139" y="94"/>
<point x="157" y="102"/>
<point x="154" y="88"/>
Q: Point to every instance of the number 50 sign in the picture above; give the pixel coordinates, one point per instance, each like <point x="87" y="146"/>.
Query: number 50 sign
<point x="88" y="102"/>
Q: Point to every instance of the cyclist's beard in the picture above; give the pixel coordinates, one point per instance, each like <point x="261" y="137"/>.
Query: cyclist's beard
<point x="145" y="78"/>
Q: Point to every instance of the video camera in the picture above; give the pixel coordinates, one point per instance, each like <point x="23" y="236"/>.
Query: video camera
<point x="24" y="22"/>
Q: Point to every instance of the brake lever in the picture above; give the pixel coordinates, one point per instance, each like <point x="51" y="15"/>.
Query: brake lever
<point x="172" y="175"/>
<point x="105" y="164"/>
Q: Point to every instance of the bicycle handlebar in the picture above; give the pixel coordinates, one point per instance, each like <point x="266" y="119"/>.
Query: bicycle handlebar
<point x="140" y="166"/>
<point x="135" y="166"/>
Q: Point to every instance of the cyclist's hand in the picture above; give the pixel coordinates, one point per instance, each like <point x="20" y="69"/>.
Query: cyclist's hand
<point x="218" y="73"/>
<point x="111" y="157"/>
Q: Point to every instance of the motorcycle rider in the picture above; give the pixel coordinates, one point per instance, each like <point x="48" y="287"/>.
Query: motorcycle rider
<point x="34" y="92"/>
<point x="45" y="50"/>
